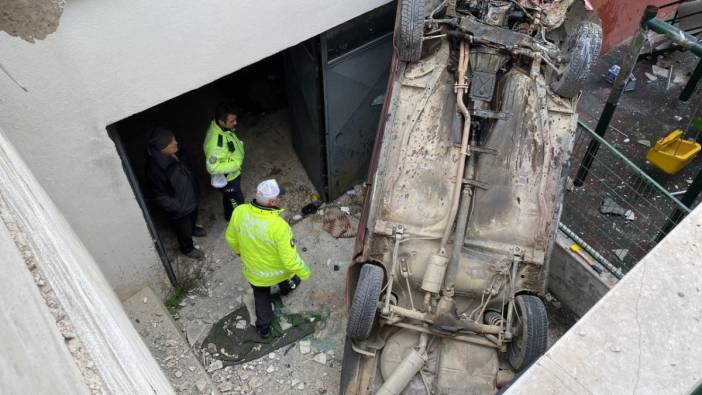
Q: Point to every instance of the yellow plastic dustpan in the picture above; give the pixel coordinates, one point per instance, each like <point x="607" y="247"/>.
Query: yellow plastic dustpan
<point x="672" y="152"/>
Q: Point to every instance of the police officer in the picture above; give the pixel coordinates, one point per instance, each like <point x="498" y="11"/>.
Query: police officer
<point x="224" y="156"/>
<point x="265" y="243"/>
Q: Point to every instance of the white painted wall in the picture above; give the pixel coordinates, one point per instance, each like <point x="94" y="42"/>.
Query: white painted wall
<point x="111" y="59"/>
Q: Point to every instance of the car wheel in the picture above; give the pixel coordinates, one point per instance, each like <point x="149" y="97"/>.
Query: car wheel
<point x="411" y="33"/>
<point x="580" y="50"/>
<point x="531" y="332"/>
<point x="365" y="302"/>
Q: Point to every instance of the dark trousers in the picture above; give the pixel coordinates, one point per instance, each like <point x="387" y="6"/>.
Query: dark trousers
<point x="264" y="303"/>
<point x="231" y="196"/>
<point x="184" y="230"/>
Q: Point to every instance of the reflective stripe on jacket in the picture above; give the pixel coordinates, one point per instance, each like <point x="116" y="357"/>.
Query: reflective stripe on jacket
<point x="224" y="152"/>
<point x="266" y="245"/>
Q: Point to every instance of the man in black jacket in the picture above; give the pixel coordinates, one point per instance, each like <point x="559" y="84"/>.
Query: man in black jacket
<point x="175" y="188"/>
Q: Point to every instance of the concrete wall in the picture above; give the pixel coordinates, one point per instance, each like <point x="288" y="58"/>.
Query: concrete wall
<point x="643" y="337"/>
<point x="572" y="281"/>
<point x="108" y="60"/>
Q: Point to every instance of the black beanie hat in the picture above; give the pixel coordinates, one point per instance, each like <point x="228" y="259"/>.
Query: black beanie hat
<point x="160" y="138"/>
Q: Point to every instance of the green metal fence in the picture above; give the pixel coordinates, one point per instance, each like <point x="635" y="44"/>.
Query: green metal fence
<point x="619" y="212"/>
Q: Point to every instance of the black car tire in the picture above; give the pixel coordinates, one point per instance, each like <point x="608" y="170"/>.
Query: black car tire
<point x="365" y="302"/>
<point x="411" y="33"/>
<point x="580" y="49"/>
<point x="531" y="339"/>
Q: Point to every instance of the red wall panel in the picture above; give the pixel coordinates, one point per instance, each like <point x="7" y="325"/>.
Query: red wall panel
<point x="620" y="18"/>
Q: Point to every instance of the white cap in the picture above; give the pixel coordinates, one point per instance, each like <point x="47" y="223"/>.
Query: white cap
<point x="267" y="190"/>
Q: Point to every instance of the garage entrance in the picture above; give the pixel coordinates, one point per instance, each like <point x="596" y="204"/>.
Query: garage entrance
<point x="307" y="116"/>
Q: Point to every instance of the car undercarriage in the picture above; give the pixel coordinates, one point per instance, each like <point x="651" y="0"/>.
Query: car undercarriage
<point x="467" y="183"/>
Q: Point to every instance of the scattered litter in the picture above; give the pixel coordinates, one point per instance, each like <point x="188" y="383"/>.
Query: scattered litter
<point x="294" y="382"/>
<point x="345" y="210"/>
<point x="630" y="216"/>
<point x="336" y="268"/>
<point x="650" y="77"/>
<point x="612" y="75"/>
<point x="351" y="192"/>
<point x="271" y="355"/>
<point x="301" y="386"/>
<point x="337" y="223"/>
<point x="626" y="140"/>
<point x="569" y="184"/>
<point x="146" y="299"/>
<point x="688" y="181"/>
<point x="677" y="118"/>
<point x="621" y="253"/>
<point x="321" y="358"/>
<point x="660" y="71"/>
<point x="676" y="193"/>
<point x="297" y="217"/>
<point x="270" y="369"/>
<point x="645" y="143"/>
<point x="609" y="206"/>
<point x="305" y="347"/>
<point x="178" y="374"/>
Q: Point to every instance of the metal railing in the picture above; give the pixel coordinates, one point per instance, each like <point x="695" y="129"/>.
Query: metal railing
<point x="619" y="211"/>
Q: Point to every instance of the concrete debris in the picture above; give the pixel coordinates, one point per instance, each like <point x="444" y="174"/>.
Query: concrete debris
<point x="146" y="299"/>
<point x="226" y="387"/>
<point x="645" y="143"/>
<point x="680" y="79"/>
<point x="294" y="382"/>
<point x="241" y="324"/>
<point x="609" y="206"/>
<point x="650" y="77"/>
<point x="272" y="356"/>
<point x="297" y="217"/>
<point x="178" y="374"/>
<point x="660" y="71"/>
<point x="201" y="385"/>
<point x="270" y="369"/>
<point x="321" y="358"/>
<point x="284" y="324"/>
<point x="305" y="346"/>
<point x="301" y="386"/>
<point x="621" y="253"/>
<point x="214" y="366"/>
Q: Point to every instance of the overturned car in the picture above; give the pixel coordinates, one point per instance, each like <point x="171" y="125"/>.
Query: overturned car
<point x="466" y="186"/>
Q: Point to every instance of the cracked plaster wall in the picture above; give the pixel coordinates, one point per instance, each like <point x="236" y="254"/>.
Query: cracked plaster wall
<point x="30" y="19"/>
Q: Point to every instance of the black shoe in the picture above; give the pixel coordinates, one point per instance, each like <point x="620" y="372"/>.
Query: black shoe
<point x="290" y="285"/>
<point x="265" y="333"/>
<point x="199" y="231"/>
<point x="195" y="254"/>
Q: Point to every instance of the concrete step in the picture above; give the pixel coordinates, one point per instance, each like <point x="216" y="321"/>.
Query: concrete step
<point x="167" y="344"/>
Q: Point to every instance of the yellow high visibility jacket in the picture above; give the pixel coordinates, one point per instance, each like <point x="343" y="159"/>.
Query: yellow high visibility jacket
<point x="266" y="245"/>
<point x="224" y="152"/>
